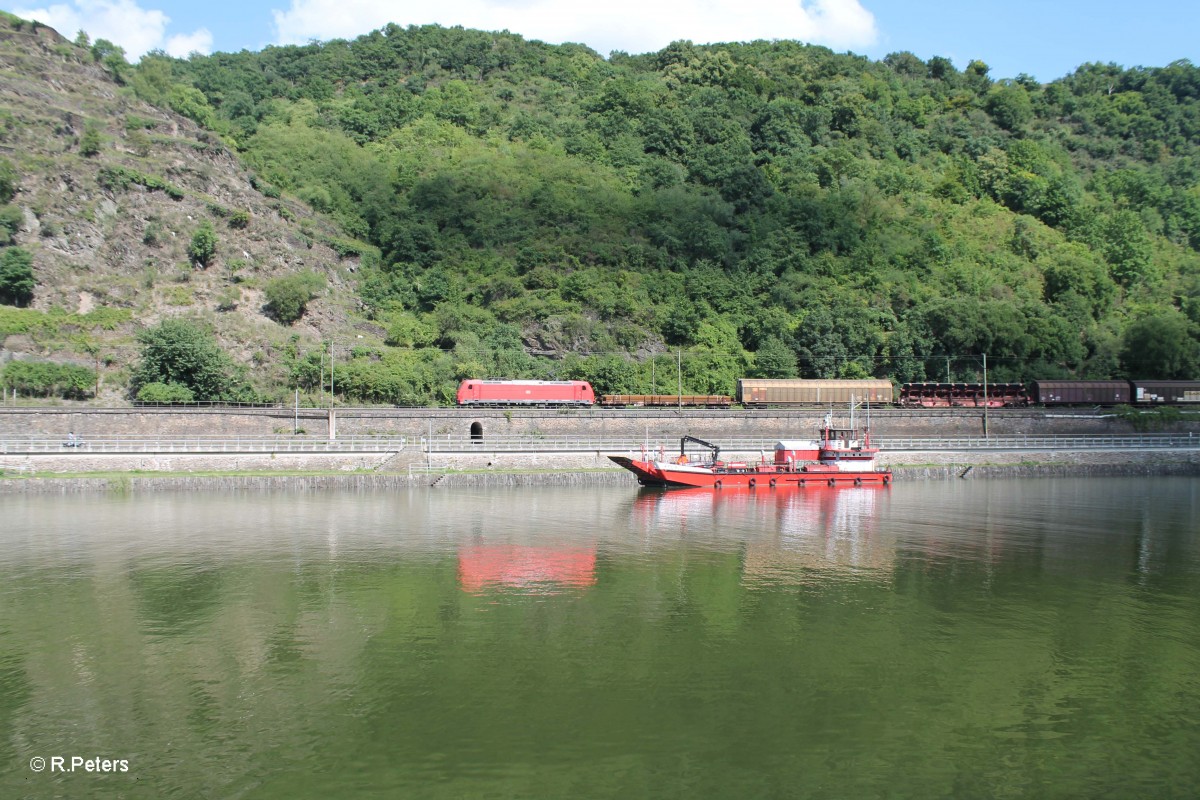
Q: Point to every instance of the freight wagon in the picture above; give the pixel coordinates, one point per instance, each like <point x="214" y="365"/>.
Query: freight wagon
<point x="958" y="395"/>
<point x="476" y="392"/>
<point x="796" y="392"/>
<point x="664" y="400"/>
<point x="1166" y="392"/>
<point x="1075" y="393"/>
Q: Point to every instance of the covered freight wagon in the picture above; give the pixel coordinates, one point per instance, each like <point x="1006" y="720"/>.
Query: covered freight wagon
<point x="1153" y="392"/>
<point x="800" y="392"/>
<point x="1100" y="393"/>
<point x="477" y="392"/>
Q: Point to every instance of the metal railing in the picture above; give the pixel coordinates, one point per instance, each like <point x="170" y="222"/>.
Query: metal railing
<point x="25" y="445"/>
<point x="551" y="444"/>
<point x="29" y="445"/>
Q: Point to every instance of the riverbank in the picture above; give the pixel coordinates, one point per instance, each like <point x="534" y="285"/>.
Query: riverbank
<point x="955" y="466"/>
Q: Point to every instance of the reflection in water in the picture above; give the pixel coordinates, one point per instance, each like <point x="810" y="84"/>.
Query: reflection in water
<point x="539" y="570"/>
<point x="818" y="529"/>
<point x="956" y="639"/>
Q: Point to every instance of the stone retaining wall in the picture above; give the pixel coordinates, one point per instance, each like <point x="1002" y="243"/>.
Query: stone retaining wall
<point x="400" y="463"/>
<point x="657" y="425"/>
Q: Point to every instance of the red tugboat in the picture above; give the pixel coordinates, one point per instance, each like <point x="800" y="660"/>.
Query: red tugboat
<point x="841" y="457"/>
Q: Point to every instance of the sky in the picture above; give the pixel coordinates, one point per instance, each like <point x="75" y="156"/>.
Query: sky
<point x="1046" y="39"/>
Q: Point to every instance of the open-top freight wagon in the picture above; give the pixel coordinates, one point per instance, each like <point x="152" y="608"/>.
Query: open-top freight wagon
<point x="963" y="395"/>
<point x="666" y="400"/>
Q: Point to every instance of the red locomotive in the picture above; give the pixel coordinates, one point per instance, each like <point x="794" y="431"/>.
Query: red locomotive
<point x="476" y="392"/>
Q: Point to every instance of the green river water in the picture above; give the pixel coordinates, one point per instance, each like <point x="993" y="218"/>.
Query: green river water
<point x="942" y="639"/>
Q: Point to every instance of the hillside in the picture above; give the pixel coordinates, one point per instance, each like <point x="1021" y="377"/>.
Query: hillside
<point x="109" y="231"/>
<point x="511" y="208"/>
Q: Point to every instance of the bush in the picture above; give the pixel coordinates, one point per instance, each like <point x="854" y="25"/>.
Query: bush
<point x="16" y="277"/>
<point x="90" y="141"/>
<point x="287" y="297"/>
<point x="49" y="379"/>
<point x="8" y="181"/>
<point x="204" y="244"/>
<point x="165" y="393"/>
<point x="178" y="352"/>
<point x="10" y="222"/>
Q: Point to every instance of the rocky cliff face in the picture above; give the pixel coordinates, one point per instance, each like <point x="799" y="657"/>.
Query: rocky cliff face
<point x="112" y="190"/>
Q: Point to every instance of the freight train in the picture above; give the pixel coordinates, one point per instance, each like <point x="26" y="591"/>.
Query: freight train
<point x="777" y="393"/>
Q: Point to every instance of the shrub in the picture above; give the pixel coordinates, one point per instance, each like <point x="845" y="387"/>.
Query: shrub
<point x="178" y="352"/>
<point x="8" y="181"/>
<point x="16" y="277"/>
<point x="49" y="379"/>
<point x="90" y="141"/>
<point x="10" y="222"/>
<point x="287" y="297"/>
<point x="204" y="244"/>
<point x="165" y="393"/>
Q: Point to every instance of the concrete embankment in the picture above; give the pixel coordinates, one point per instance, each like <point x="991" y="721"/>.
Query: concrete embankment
<point x="907" y="466"/>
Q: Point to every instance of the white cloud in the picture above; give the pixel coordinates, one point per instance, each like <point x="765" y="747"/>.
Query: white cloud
<point x="635" y="26"/>
<point x="122" y="22"/>
<point x="183" y="45"/>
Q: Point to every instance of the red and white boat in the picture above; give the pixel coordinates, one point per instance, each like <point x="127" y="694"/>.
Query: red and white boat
<point x="840" y="457"/>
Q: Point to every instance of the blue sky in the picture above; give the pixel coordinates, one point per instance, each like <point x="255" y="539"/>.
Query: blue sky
<point x="1044" y="38"/>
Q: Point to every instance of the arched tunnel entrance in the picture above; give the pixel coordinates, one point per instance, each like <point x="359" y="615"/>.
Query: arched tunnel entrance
<point x="476" y="432"/>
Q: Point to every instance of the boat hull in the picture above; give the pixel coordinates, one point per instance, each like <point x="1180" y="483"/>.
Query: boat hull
<point x="658" y="473"/>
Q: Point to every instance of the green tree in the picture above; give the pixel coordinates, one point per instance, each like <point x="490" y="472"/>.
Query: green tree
<point x="1159" y="346"/>
<point x="16" y="276"/>
<point x="180" y="352"/>
<point x="1128" y="248"/>
<point x="288" y="296"/>
<point x="112" y="58"/>
<point x="774" y="359"/>
<point x="1009" y="105"/>
<point x="204" y="244"/>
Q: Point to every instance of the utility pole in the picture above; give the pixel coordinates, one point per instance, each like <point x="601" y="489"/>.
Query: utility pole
<point x="985" y="398"/>
<point x="679" y="374"/>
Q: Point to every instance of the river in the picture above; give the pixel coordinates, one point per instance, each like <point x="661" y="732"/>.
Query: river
<point x="959" y="639"/>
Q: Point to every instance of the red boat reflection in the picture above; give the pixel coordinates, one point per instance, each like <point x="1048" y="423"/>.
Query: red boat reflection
<point x="532" y="569"/>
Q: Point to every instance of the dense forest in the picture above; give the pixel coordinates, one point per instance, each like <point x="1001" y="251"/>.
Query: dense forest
<point x="761" y="209"/>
